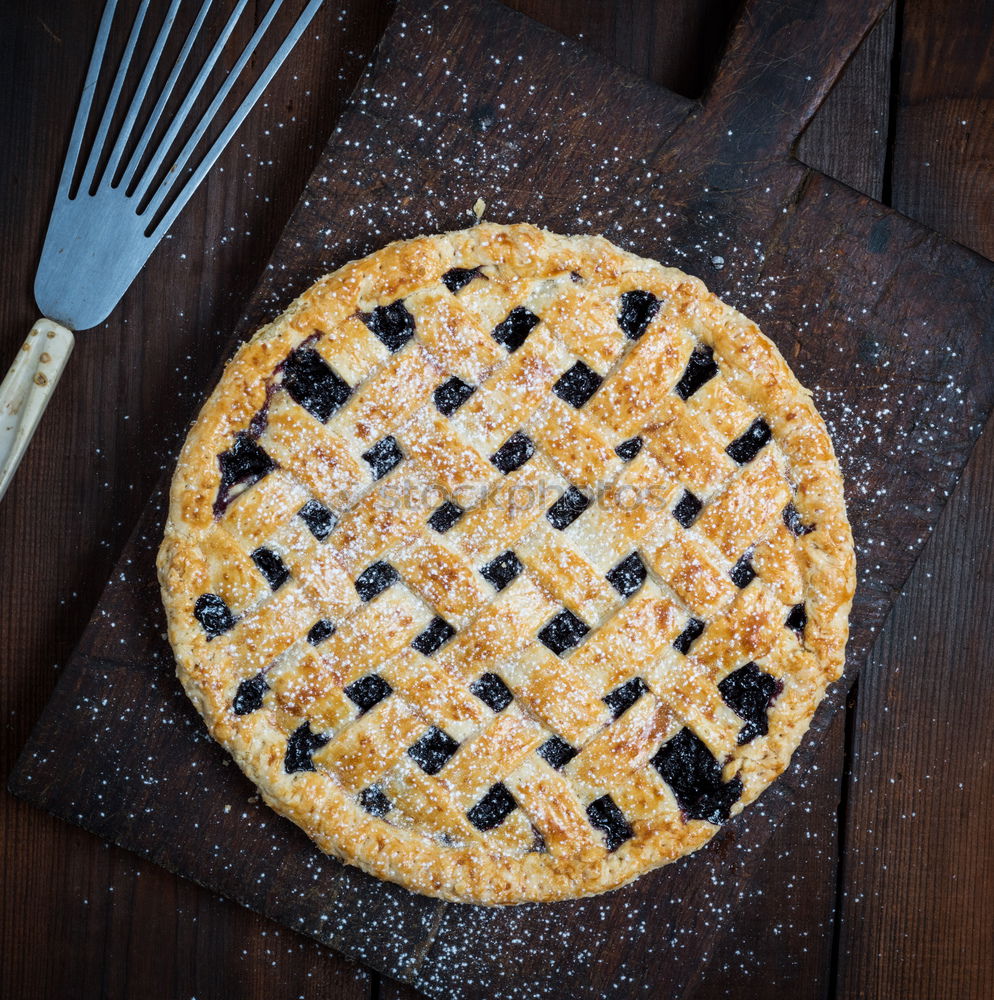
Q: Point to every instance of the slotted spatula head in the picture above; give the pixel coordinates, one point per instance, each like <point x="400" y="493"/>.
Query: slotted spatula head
<point x="114" y="206"/>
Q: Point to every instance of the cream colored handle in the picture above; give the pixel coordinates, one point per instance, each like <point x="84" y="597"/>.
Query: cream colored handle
<point x="26" y="390"/>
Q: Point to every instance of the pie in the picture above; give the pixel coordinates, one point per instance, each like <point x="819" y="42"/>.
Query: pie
<point x="508" y="565"/>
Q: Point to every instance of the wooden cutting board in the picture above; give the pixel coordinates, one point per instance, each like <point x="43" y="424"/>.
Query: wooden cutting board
<point x="892" y="326"/>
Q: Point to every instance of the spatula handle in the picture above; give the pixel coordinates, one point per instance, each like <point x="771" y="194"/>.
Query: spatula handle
<point x="26" y="390"/>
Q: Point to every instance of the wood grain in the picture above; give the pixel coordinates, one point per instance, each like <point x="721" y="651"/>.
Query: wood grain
<point x="143" y="932"/>
<point x="943" y="141"/>
<point x="120" y="926"/>
<point x="916" y="912"/>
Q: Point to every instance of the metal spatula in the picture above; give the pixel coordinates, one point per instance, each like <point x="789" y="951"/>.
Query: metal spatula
<point x="106" y="223"/>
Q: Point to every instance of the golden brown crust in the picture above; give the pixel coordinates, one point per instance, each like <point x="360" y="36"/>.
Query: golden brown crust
<point x="559" y="833"/>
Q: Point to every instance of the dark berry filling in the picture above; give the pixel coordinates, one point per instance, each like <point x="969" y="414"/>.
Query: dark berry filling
<point x="248" y="697"/>
<point x="374" y="801"/>
<point x="513" y="453"/>
<point x="319" y="520"/>
<point x="393" y="325"/>
<point x="692" y="772"/>
<point x="313" y="384"/>
<point x="748" y="445"/>
<point x="628" y="576"/>
<point x="493" y="808"/>
<point x="577" y="385"/>
<point x="556" y="752"/>
<point x="701" y="368"/>
<point x="244" y="464"/>
<point x="622" y="698"/>
<point x="513" y="331"/>
<point x="445" y="517"/>
<point x="383" y="456"/>
<point x="742" y="573"/>
<point x="687" y="509"/>
<point x="214" y="615"/>
<point x="271" y="566"/>
<point x="567" y="508"/>
<point x="375" y="579"/>
<point x="438" y="632"/>
<point x="492" y="691"/>
<point x="563" y="632"/>
<point x="449" y="396"/>
<point x="795" y="525"/>
<point x="457" y="278"/>
<point x="368" y="691"/>
<point x="300" y="745"/>
<point x="433" y="750"/>
<point x="638" y="309"/>
<point x="604" y="815"/>
<point x="322" y="629"/>
<point x="797" y="620"/>
<point x="501" y="571"/>
<point x="627" y="450"/>
<point x="749" y="693"/>
<point x="685" y="639"/>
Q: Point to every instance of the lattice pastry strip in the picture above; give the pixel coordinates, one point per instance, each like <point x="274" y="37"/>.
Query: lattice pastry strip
<point x="690" y="571"/>
<point x="386" y="400"/>
<point x="689" y="452"/>
<point x="495" y="416"/>
<point x="716" y="407"/>
<point x="444" y="578"/>
<point x="374" y="524"/>
<point x="453" y="336"/>
<point x="254" y="517"/>
<point x="550" y="800"/>
<point x="643" y="499"/>
<point x="586" y="324"/>
<point x="563" y="571"/>
<point x="749" y="507"/>
<point x="232" y="575"/>
<point x="625" y="403"/>
<point x="631" y="642"/>
<point x="374" y="633"/>
<point x="490" y="528"/>
<point x="442" y="458"/>
<point x="775" y="560"/>
<point x="508" y="739"/>
<point x="574" y="445"/>
<point x="268" y="630"/>
<point x="318" y="457"/>
<point x="509" y="565"/>
<point x="439" y="696"/>
<point x="318" y="568"/>
<point x="621" y="749"/>
<point x="421" y="803"/>
<point x="367" y="749"/>
<point x="557" y="693"/>
<point x="507" y="625"/>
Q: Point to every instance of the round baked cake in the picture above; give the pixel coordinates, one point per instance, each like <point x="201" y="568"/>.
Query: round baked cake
<point x="508" y="565"/>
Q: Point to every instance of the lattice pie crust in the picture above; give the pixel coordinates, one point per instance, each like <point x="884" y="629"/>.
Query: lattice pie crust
<point x="508" y="565"/>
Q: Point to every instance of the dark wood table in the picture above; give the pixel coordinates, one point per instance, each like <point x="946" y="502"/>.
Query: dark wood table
<point x="882" y="886"/>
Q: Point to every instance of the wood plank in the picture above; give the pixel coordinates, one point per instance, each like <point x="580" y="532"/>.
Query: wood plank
<point x="806" y="227"/>
<point x="847" y="138"/>
<point x="677" y="44"/>
<point x="780" y="935"/>
<point x="918" y="879"/>
<point x="117" y="925"/>
<point x="943" y="168"/>
<point x="918" y="905"/>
